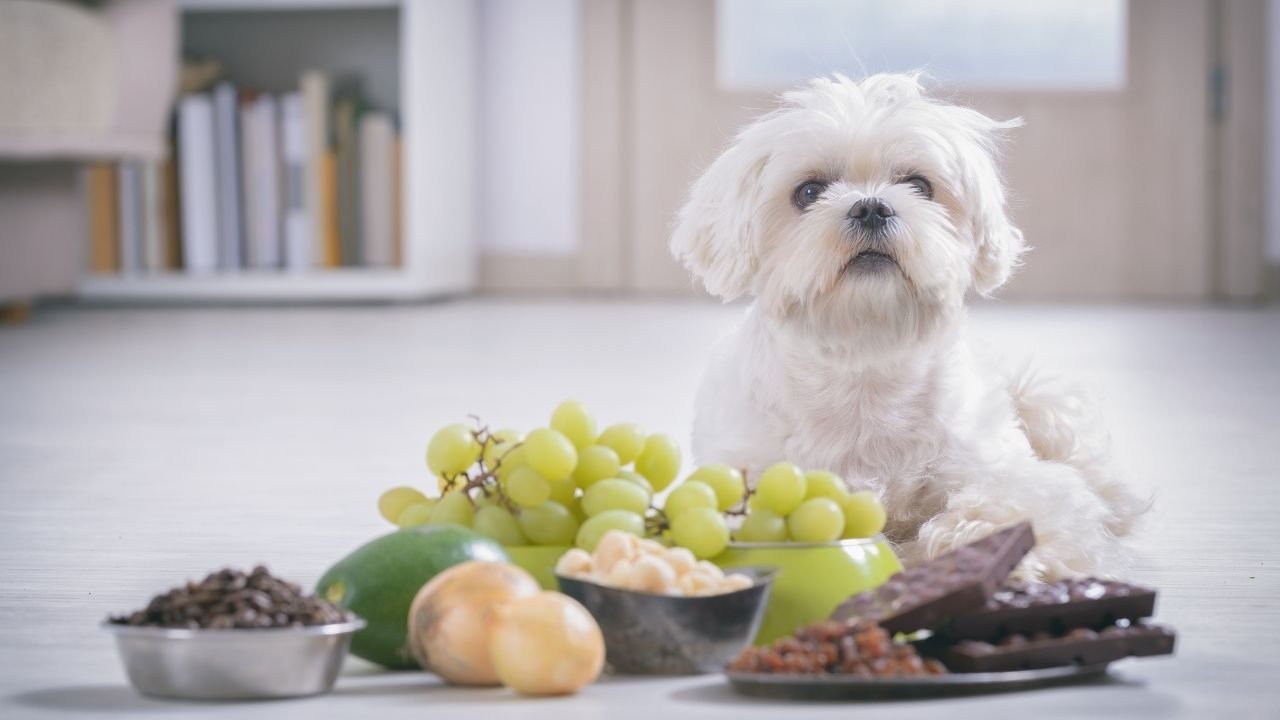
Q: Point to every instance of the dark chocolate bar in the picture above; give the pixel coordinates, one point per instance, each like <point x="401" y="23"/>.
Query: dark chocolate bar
<point x="929" y="594"/>
<point x="1081" y="646"/>
<point x="1055" y="608"/>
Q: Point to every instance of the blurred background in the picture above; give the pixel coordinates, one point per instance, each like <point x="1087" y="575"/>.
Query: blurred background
<point x="171" y="151"/>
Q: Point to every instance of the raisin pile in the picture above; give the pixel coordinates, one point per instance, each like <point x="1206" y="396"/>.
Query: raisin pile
<point x="859" y="649"/>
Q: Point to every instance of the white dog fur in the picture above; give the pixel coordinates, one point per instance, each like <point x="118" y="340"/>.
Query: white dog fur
<point x="856" y="362"/>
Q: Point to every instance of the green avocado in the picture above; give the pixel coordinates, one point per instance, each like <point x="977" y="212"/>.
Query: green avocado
<point x="380" y="578"/>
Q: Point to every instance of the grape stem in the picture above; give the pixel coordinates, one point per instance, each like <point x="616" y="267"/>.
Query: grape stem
<point x="741" y="509"/>
<point x="484" y="479"/>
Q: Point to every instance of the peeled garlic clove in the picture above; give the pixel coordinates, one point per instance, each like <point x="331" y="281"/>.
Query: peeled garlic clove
<point x="650" y="547"/>
<point x="710" y="569"/>
<point x="616" y="546"/>
<point x="575" y="563"/>
<point x="680" y="559"/>
<point x="651" y="574"/>
<point x="618" y="576"/>
<point x="734" y="582"/>
<point x="695" y="582"/>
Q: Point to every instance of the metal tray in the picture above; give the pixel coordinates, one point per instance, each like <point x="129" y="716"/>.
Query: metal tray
<point x="837" y="687"/>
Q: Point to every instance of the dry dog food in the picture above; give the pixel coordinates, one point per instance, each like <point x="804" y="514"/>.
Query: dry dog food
<point x="229" y="599"/>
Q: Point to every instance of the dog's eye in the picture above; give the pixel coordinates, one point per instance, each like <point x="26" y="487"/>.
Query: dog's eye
<point x="808" y="193"/>
<point x="921" y="185"/>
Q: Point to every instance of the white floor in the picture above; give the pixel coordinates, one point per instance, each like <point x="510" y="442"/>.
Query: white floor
<point x="142" y="447"/>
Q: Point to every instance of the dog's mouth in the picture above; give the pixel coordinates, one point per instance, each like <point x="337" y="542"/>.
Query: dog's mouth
<point x="871" y="260"/>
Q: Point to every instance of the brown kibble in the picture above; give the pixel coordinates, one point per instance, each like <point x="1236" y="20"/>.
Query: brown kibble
<point x="229" y="599"/>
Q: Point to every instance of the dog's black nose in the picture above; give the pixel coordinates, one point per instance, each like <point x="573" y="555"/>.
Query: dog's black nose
<point x="870" y="213"/>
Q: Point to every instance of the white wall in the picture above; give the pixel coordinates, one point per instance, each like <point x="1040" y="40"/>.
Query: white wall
<point x="1273" y="133"/>
<point x="529" y="145"/>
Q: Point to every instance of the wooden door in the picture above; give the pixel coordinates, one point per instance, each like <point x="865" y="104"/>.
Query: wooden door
<point x="1111" y="188"/>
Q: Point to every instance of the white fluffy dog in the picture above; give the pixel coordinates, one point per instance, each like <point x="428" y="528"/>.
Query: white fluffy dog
<point x="859" y="215"/>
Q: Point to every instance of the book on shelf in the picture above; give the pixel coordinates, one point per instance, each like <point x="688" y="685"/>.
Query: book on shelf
<point x="298" y="242"/>
<point x="347" y="150"/>
<point x="377" y="194"/>
<point x="152" y="221"/>
<point x="171" y="216"/>
<point x="328" y="209"/>
<point x="261" y="166"/>
<point x="129" y="198"/>
<point x="226" y="118"/>
<point x="319" y="202"/>
<point x="197" y="184"/>
<point x="397" y="201"/>
<point x="104" y="226"/>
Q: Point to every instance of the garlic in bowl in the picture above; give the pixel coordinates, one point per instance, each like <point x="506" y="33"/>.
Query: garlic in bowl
<point x="627" y="562"/>
<point x="661" y="611"/>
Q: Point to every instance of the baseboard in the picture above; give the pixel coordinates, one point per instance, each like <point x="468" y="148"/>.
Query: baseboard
<point x="504" y="273"/>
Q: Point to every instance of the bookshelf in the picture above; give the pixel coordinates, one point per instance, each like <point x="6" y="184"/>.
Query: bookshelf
<point x="437" y="79"/>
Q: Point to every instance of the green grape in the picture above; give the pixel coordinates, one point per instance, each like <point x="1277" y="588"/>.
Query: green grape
<point x="626" y="439"/>
<point x="450" y="484"/>
<point x="499" y="524"/>
<point x="595" y="463"/>
<point x="527" y="488"/>
<point x="659" y="461"/>
<point x="763" y="526"/>
<point x="820" y="483"/>
<point x="453" y="508"/>
<point x="726" y="481"/>
<point x="550" y="453"/>
<point x="452" y="450"/>
<point x="781" y="488"/>
<point x="572" y="420"/>
<point x="597" y="525"/>
<point x="638" y="479"/>
<point x="702" y="530"/>
<point x="511" y="461"/>
<point x="686" y="496"/>
<point x="393" y="502"/>
<point x="614" y="494"/>
<point x="816" y="520"/>
<point x="415" y="515"/>
<point x="548" y="524"/>
<point x="863" y="515"/>
<point x="564" y="491"/>
<point x="689" y="495"/>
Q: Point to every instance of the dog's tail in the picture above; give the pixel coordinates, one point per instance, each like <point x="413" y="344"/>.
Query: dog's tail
<point x="1062" y="422"/>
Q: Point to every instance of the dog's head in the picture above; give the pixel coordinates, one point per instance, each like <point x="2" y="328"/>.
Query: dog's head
<point x="861" y="210"/>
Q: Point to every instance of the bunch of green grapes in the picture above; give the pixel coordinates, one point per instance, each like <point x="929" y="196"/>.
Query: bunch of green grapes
<point x="790" y="504"/>
<point x="568" y="484"/>
<point x="563" y="484"/>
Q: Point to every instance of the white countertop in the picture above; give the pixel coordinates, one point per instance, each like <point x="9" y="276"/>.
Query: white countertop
<point x="140" y="448"/>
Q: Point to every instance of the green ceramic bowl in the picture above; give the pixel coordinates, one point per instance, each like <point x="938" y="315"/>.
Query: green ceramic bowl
<point x="812" y="578"/>
<point x="539" y="560"/>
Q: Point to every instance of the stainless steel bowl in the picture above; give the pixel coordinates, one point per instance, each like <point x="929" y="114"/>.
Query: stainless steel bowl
<point x="647" y="634"/>
<point x="233" y="664"/>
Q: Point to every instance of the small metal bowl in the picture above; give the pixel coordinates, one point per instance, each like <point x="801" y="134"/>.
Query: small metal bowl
<point x="247" y="664"/>
<point x="647" y="634"/>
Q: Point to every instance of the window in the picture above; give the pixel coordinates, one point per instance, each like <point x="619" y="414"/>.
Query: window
<point x="977" y="44"/>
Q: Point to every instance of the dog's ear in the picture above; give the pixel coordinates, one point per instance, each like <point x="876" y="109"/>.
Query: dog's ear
<point x="1000" y="249"/>
<point x="715" y="236"/>
<point x="1000" y="245"/>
